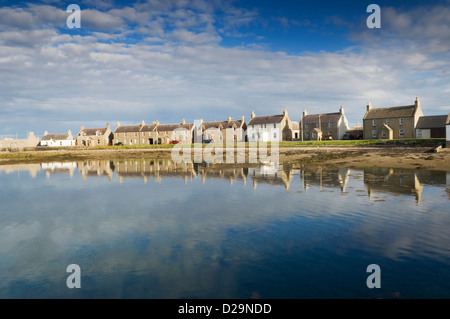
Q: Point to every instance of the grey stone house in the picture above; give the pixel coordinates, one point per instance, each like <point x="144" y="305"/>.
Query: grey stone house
<point x="316" y="127"/>
<point x="391" y="122"/>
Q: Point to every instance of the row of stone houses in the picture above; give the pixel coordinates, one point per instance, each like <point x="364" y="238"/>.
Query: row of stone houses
<point x="378" y="123"/>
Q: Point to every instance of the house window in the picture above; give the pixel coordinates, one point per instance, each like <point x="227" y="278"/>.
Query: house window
<point x="374" y="133"/>
<point x="274" y="135"/>
<point x="135" y="141"/>
<point x="374" y="122"/>
<point x="125" y="141"/>
<point x="388" y="121"/>
<point x="98" y="142"/>
<point x="317" y="125"/>
<point x="400" y="121"/>
<point x="253" y="136"/>
<point x="124" y="134"/>
<point x="307" y="134"/>
<point x="383" y="133"/>
<point x="402" y="133"/>
<point x="306" y="126"/>
<point x="135" y="133"/>
<point x="330" y="125"/>
<point x="274" y="126"/>
<point x="419" y="133"/>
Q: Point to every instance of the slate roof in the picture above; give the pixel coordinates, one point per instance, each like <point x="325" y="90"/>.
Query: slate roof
<point x="271" y="119"/>
<point x="128" y="128"/>
<point x="56" y="136"/>
<point x="148" y="128"/>
<point x="436" y="121"/>
<point x="390" y="112"/>
<point x="324" y="118"/>
<point x="223" y="124"/>
<point x="172" y="127"/>
<point x="93" y="131"/>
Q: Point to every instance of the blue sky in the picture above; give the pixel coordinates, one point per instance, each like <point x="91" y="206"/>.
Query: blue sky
<point x="190" y="59"/>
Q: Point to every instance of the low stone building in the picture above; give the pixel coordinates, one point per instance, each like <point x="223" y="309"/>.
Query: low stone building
<point x="57" y="139"/>
<point x="94" y="136"/>
<point x="391" y="122"/>
<point x="431" y="126"/>
<point x="10" y="143"/>
<point x="316" y="127"/>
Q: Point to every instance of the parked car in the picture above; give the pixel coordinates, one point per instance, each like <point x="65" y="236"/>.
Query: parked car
<point x="353" y="135"/>
<point x="327" y="137"/>
<point x="118" y="143"/>
<point x="208" y="141"/>
<point x="174" y="142"/>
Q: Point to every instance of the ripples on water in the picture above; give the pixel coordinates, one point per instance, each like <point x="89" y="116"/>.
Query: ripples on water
<point x="152" y="229"/>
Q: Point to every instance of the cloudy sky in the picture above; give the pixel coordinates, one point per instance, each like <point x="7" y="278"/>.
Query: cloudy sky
<point x="172" y="59"/>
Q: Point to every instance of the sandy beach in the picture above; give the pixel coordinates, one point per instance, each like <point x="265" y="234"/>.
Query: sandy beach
<point x="418" y="157"/>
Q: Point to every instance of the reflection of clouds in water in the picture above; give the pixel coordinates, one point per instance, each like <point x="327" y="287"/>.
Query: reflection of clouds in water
<point x="174" y="239"/>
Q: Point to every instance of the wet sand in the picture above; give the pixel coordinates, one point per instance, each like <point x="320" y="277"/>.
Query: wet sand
<point x="417" y="157"/>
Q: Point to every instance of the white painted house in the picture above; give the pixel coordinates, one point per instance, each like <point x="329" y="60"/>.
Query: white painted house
<point x="58" y="139"/>
<point x="272" y="128"/>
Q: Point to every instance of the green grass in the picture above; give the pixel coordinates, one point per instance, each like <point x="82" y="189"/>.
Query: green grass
<point x="432" y="141"/>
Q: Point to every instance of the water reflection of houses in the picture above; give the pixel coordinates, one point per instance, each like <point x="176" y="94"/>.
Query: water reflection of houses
<point x="59" y="168"/>
<point x="96" y="168"/>
<point x="230" y="173"/>
<point x="156" y="169"/>
<point x="272" y="173"/>
<point x="32" y="169"/>
<point x="393" y="180"/>
<point x="325" y="177"/>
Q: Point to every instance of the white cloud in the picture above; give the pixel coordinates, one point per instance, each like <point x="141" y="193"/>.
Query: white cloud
<point x="180" y="70"/>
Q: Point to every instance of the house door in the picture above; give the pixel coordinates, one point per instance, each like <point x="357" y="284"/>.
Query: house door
<point x="150" y="141"/>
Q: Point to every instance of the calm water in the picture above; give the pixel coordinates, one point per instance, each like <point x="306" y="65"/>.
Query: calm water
<point x="150" y="229"/>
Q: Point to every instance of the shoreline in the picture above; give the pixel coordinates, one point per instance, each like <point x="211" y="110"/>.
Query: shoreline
<point x="408" y="157"/>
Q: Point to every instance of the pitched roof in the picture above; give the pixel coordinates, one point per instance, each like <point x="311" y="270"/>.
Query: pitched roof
<point x="172" y="127"/>
<point x="324" y="118"/>
<point x="223" y="124"/>
<point x="436" y="121"/>
<point x="295" y="125"/>
<point x="128" y="128"/>
<point x="93" y="131"/>
<point x="391" y="112"/>
<point x="270" y="119"/>
<point x="56" y="137"/>
<point x="148" y="128"/>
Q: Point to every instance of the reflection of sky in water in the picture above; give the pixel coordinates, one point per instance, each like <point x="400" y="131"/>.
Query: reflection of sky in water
<point x="219" y="237"/>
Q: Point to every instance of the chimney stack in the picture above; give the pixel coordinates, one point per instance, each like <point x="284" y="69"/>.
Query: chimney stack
<point x="118" y="124"/>
<point x="142" y="123"/>
<point x="369" y="106"/>
<point x="183" y="122"/>
<point x="82" y="127"/>
<point x="417" y="103"/>
<point x="107" y="126"/>
<point x="242" y="119"/>
<point x="229" y="119"/>
<point x="305" y="113"/>
<point x="253" y="115"/>
<point x="341" y="110"/>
